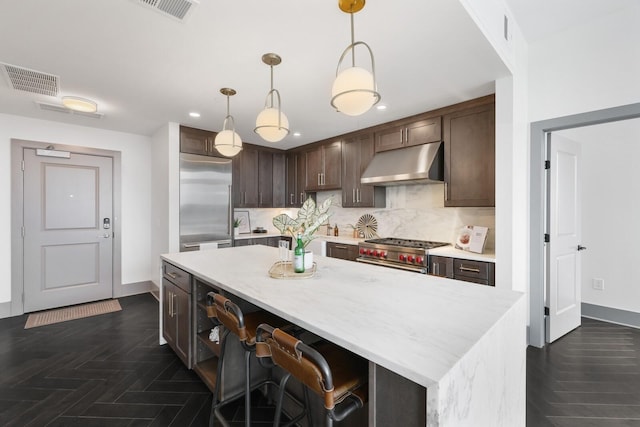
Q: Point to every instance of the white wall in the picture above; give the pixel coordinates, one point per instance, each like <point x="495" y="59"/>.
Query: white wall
<point x="136" y="187"/>
<point x="588" y="67"/>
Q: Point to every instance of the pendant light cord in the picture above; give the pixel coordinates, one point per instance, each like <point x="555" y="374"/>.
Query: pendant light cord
<point x="353" y="47"/>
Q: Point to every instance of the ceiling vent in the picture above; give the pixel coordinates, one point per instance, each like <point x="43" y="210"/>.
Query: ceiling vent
<point x="175" y="8"/>
<point x="62" y="109"/>
<point x="32" y="81"/>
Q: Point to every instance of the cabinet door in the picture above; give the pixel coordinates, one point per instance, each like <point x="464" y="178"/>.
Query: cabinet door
<point x="279" y="180"/>
<point x="246" y="175"/>
<point x="196" y="141"/>
<point x="182" y="314"/>
<point x="389" y="139"/>
<point x="350" y="172"/>
<point x="368" y="195"/>
<point x="424" y="131"/>
<point x="441" y="266"/>
<point x="332" y="166"/>
<point x="265" y="179"/>
<point x="301" y="176"/>
<point x="313" y="169"/>
<point x="469" y="169"/>
<point x="168" y="321"/>
<point x="292" y="176"/>
<point x="342" y="251"/>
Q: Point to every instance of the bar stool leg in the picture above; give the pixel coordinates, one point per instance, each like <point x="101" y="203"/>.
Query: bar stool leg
<point x="283" y="384"/>
<point x="216" y="391"/>
<point x="247" y="389"/>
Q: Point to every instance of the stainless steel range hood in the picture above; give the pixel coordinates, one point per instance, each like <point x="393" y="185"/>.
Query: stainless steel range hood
<point x="421" y="164"/>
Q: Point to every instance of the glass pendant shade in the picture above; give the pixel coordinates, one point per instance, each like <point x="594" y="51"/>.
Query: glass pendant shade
<point x="353" y="91"/>
<point x="228" y="143"/>
<point x="268" y="126"/>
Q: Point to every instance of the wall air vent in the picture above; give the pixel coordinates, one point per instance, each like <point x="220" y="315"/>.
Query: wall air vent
<point x="175" y="8"/>
<point x="62" y="109"/>
<point x="32" y="81"/>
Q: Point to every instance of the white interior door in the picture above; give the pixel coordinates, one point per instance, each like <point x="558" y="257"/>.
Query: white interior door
<point x="563" y="250"/>
<point x="68" y="246"/>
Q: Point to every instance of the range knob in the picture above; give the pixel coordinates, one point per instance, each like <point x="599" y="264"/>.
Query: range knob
<point x="419" y="260"/>
<point x="383" y="255"/>
<point x="362" y="251"/>
<point x="376" y="253"/>
<point x="369" y="251"/>
<point x="402" y="257"/>
<point x="410" y="258"/>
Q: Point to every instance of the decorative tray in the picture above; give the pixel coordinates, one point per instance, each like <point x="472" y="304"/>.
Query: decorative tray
<point x="284" y="270"/>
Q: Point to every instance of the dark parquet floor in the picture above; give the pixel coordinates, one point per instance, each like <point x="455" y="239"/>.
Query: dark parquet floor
<point x="588" y="378"/>
<point x="110" y="371"/>
<point x="105" y="370"/>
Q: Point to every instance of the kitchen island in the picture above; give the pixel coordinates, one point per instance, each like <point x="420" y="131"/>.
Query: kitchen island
<point x="465" y="344"/>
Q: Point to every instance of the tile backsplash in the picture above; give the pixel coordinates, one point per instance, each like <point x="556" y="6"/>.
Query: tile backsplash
<point x="411" y="212"/>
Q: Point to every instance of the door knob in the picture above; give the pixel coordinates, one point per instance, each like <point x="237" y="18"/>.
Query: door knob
<point x="581" y="248"/>
<point x="105" y="235"/>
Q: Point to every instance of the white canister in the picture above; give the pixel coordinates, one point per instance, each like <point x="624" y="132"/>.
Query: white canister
<point x="308" y="259"/>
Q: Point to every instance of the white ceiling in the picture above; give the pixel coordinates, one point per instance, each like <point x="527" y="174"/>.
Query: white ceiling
<point x="145" y="69"/>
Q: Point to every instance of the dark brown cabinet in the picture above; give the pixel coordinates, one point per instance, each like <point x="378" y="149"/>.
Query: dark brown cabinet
<point x="258" y="178"/>
<point x="469" y="169"/>
<point x="409" y="134"/>
<point x="324" y="167"/>
<point x="296" y="179"/>
<point x="342" y="251"/>
<point x="176" y="311"/>
<point x="357" y="152"/>
<point x="266" y="241"/>
<point x="480" y="272"/>
<point x="198" y="141"/>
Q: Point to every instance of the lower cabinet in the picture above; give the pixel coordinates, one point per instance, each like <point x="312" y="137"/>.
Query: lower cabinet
<point x="176" y="311"/>
<point x="342" y="251"/>
<point x="481" y="272"/>
<point x="266" y="241"/>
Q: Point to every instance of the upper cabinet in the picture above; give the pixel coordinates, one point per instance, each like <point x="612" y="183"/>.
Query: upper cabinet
<point x="296" y="179"/>
<point x="258" y="178"/>
<point x="357" y="152"/>
<point x="198" y="141"/>
<point x="469" y="169"/>
<point x="324" y="167"/>
<point x="412" y="133"/>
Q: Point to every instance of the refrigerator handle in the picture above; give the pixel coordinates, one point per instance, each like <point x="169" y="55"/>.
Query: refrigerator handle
<point x="230" y="222"/>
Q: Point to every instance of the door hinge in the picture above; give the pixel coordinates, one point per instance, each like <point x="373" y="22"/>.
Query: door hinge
<point x="22" y="165"/>
<point x="546" y="311"/>
<point x="547" y="238"/>
<point x="22" y="231"/>
<point x="547" y="164"/>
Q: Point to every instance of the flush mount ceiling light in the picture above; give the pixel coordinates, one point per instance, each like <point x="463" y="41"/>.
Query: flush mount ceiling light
<point x="272" y="124"/>
<point x="79" y="104"/>
<point x="354" y="90"/>
<point x="227" y="141"/>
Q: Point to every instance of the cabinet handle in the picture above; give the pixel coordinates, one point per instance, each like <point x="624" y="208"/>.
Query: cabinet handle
<point x="170" y="304"/>
<point x="244" y="198"/>
<point x="446" y="191"/>
<point x="471" y="270"/>
<point x="302" y="197"/>
<point x="291" y="198"/>
<point x="340" y="247"/>
<point x="353" y="195"/>
<point x="260" y="198"/>
<point x="318" y="179"/>
<point x="173" y="304"/>
<point x="358" y="195"/>
<point x="401" y="136"/>
<point x="172" y="275"/>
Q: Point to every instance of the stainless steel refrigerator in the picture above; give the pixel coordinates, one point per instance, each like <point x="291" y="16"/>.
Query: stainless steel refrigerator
<point x="206" y="211"/>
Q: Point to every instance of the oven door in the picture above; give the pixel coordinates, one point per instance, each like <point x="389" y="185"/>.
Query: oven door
<point x="384" y="263"/>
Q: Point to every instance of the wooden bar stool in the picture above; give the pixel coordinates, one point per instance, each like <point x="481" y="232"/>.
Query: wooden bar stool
<point x="338" y="376"/>
<point x="243" y="326"/>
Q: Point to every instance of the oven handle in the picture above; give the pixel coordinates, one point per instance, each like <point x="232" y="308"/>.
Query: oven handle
<point x="415" y="269"/>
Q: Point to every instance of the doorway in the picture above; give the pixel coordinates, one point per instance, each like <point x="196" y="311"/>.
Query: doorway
<point x="539" y="134"/>
<point x="65" y="225"/>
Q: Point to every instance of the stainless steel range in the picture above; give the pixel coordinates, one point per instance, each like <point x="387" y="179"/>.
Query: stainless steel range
<point x="404" y="254"/>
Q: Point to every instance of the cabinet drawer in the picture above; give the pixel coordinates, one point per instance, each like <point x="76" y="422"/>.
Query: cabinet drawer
<point x="471" y="269"/>
<point x="177" y="276"/>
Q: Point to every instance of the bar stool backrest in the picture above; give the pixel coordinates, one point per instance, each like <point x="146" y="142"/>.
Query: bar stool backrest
<point x="230" y="315"/>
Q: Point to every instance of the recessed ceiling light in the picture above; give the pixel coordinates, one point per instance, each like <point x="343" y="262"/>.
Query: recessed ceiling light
<point x="79" y="104"/>
<point x="297" y="134"/>
<point x="381" y="107"/>
<point x="194" y="114"/>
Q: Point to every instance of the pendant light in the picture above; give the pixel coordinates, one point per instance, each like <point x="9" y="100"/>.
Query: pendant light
<point x="227" y="141"/>
<point x="354" y="90"/>
<point x="271" y="124"/>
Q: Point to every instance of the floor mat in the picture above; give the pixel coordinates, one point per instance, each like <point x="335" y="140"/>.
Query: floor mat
<point x="71" y="313"/>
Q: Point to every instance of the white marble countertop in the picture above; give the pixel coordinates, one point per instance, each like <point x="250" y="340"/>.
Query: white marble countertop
<point x="416" y="325"/>
<point x="451" y="251"/>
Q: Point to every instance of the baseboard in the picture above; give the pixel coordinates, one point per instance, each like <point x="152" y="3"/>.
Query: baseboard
<point x="611" y="315"/>
<point x="5" y="309"/>
<point x="135" y="288"/>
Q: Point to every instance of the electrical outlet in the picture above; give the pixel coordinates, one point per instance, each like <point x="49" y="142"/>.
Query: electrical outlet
<point x="598" y="284"/>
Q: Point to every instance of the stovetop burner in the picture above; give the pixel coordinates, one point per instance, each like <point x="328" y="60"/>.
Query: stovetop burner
<point x="407" y="243"/>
